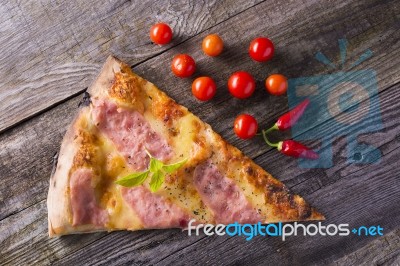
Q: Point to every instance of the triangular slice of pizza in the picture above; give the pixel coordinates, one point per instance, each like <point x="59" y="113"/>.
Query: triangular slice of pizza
<point x="127" y="120"/>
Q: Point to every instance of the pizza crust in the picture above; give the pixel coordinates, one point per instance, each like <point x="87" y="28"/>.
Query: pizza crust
<point x="58" y="201"/>
<point x="106" y="77"/>
<point x="58" y="205"/>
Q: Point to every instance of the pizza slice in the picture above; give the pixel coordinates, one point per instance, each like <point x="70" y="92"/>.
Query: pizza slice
<point x="129" y="127"/>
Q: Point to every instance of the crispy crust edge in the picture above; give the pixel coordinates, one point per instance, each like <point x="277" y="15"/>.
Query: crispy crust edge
<point x="57" y="199"/>
<point x="285" y="205"/>
<point x="58" y="204"/>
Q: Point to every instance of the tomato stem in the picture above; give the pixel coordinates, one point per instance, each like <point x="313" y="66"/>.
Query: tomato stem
<point x="264" y="134"/>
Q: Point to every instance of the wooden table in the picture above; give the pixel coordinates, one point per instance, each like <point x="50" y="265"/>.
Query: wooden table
<point x="52" y="50"/>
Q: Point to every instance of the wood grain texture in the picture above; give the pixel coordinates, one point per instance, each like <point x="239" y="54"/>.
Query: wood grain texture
<point x="351" y="193"/>
<point x="52" y="50"/>
<point x="389" y="247"/>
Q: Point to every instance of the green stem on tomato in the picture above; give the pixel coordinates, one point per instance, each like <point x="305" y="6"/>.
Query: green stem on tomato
<point x="264" y="134"/>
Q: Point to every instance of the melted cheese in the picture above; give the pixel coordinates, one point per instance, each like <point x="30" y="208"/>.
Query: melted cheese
<point x="191" y="139"/>
<point x="115" y="167"/>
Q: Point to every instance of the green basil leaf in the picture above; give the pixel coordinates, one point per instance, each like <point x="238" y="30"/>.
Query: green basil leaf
<point x="169" y="168"/>
<point x="156" y="181"/>
<point x="155" y="165"/>
<point x="132" y="180"/>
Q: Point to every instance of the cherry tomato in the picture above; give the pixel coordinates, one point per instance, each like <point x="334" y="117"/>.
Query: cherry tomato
<point x="241" y="84"/>
<point x="160" y="33"/>
<point x="183" y="65"/>
<point x="276" y="84"/>
<point x="204" y="88"/>
<point x="245" y="126"/>
<point x="212" y="45"/>
<point x="261" y="49"/>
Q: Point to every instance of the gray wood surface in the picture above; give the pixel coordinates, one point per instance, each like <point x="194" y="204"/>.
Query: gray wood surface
<point x="53" y="50"/>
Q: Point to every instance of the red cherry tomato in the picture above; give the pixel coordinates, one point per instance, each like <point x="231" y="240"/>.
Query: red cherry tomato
<point x="212" y="45"/>
<point x="160" y="33"/>
<point x="204" y="88"/>
<point x="241" y="84"/>
<point x="183" y="65"/>
<point x="276" y="84"/>
<point x="261" y="49"/>
<point x="245" y="126"/>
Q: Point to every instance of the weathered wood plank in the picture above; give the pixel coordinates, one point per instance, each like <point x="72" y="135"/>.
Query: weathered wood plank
<point x="51" y="50"/>
<point x="382" y="251"/>
<point x="32" y="223"/>
<point x="341" y="192"/>
<point x="26" y="157"/>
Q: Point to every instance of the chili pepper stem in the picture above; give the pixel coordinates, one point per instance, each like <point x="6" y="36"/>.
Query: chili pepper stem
<point x="279" y="146"/>
<point x="264" y="134"/>
<point x="274" y="127"/>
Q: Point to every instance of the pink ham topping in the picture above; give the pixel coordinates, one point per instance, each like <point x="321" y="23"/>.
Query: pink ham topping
<point x="130" y="133"/>
<point x="223" y="196"/>
<point x="85" y="209"/>
<point x="153" y="210"/>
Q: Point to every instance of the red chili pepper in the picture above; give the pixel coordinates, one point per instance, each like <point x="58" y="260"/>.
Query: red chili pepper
<point x="287" y="120"/>
<point x="291" y="147"/>
<point x="296" y="149"/>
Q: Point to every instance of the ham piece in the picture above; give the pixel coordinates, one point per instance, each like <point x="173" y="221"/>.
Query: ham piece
<point x="223" y="196"/>
<point x="85" y="209"/>
<point x="154" y="211"/>
<point x="132" y="134"/>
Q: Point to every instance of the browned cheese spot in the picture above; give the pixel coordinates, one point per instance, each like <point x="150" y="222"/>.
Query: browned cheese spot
<point x="87" y="154"/>
<point x="127" y="88"/>
<point x="287" y="205"/>
<point x="167" y="110"/>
